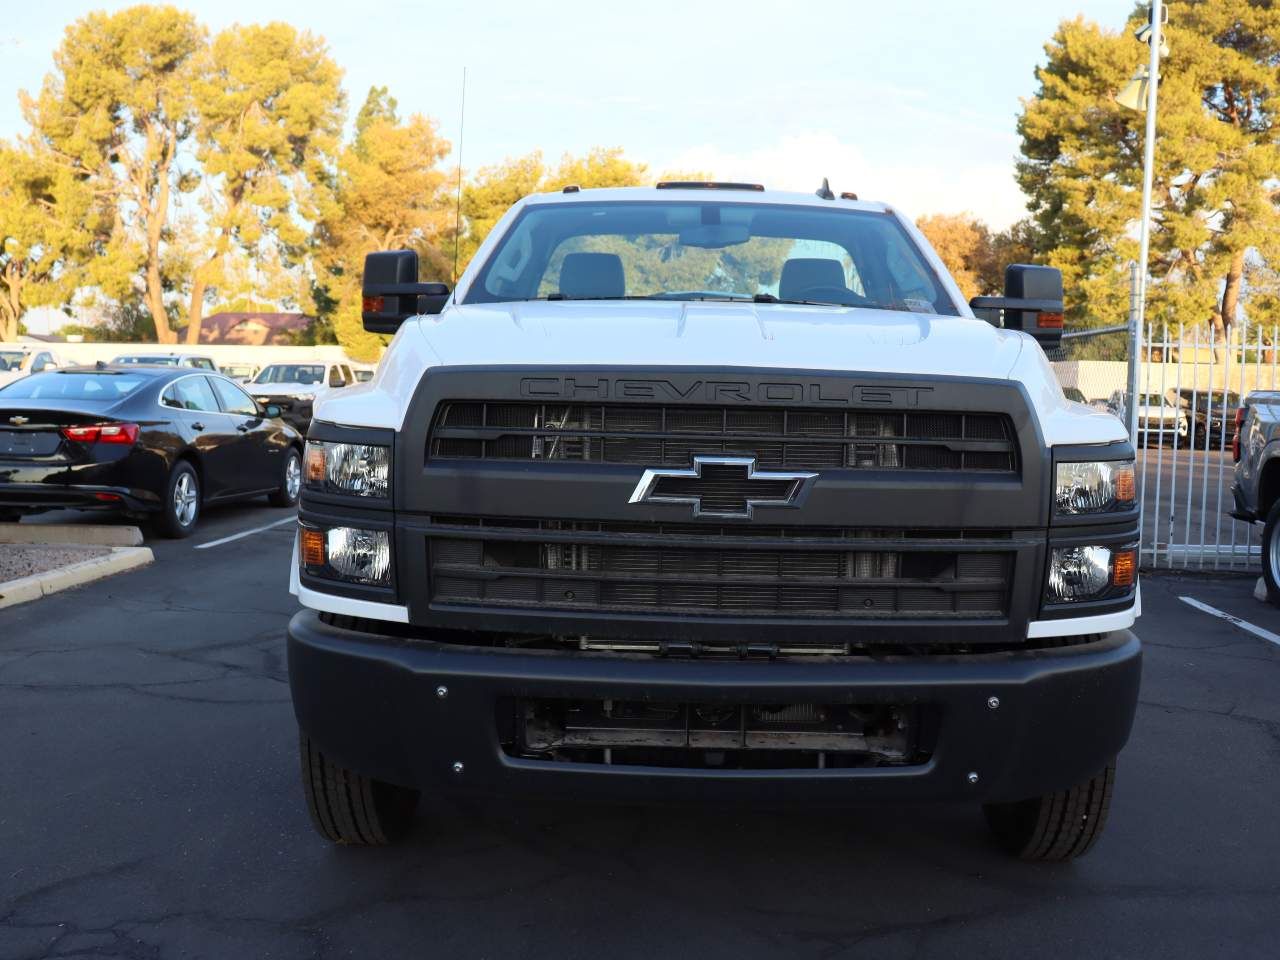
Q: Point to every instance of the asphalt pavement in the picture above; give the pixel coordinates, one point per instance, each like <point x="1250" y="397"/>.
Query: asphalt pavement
<point x="150" y="807"/>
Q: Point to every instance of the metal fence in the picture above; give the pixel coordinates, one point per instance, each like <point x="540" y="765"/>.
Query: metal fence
<point x="1189" y="383"/>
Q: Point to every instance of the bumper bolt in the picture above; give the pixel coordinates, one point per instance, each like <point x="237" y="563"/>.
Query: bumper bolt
<point x="972" y="777"/>
<point x="993" y="703"/>
<point x="458" y="768"/>
<point x="442" y="692"/>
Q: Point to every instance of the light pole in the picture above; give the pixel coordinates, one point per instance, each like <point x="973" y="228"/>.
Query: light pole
<point x="1138" y="296"/>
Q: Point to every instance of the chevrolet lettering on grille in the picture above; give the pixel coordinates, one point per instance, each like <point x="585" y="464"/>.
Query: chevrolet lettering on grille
<point x="723" y="487"/>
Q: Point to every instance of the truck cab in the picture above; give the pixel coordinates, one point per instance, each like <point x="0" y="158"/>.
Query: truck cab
<point x="710" y="492"/>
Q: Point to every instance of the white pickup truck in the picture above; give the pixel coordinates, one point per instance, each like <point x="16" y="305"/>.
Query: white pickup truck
<point x="710" y="492"/>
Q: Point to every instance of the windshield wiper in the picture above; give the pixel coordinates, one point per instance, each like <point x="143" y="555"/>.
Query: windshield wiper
<point x="770" y="298"/>
<point x="561" y="296"/>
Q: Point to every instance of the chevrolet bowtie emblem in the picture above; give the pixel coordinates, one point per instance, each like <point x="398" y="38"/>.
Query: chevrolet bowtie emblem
<point x="723" y="487"/>
<point x="19" y="421"/>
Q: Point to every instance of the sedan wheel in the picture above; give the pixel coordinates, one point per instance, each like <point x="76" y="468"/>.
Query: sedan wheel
<point x="182" y="504"/>
<point x="290" y="481"/>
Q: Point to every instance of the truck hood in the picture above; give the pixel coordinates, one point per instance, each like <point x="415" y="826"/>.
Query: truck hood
<point x="283" y="389"/>
<point x="649" y="334"/>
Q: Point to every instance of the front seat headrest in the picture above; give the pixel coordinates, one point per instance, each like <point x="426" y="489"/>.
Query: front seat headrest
<point x="805" y="273"/>
<point x="592" y="276"/>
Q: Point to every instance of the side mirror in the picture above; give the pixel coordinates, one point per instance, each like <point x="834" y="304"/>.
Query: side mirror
<point x="1032" y="302"/>
<point x="271" y="411"/>
<point x="392" y="294"/>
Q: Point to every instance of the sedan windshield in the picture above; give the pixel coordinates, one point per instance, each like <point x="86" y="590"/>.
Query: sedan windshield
<point x="107" y="387"/>
<point x="681" y="250"/>
<point x="291" y="373"/>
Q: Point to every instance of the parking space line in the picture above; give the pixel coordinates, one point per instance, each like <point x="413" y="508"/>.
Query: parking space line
<point x="245" y="533"/>
<point x="1242" y="624"/>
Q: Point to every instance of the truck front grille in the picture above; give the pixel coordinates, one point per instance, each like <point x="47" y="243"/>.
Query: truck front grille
<point x="673" y="435"/>
<point x="826" y="574"/>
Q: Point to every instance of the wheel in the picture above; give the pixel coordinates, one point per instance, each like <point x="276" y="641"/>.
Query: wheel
<point x="290" y="481"/>
<point x="1271" y="554"/>
<point x="181" y="507"/>
<point x="349" y="808"/>
<point x="1059" y="826"/>
<point x="1182" y="428"/>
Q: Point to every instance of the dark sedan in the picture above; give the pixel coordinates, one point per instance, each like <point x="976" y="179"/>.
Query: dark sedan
<point x="162" y="442"/>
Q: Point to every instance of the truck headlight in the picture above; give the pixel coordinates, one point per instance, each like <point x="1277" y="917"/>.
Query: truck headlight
<point x="358" y="469"/>
<point x="1094" y="486"/>
<point x="352" y="554"/>
<point x="1090" y="573"/>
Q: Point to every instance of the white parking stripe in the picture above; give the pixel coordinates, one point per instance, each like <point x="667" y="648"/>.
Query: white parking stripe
<point x="245" y="533"/>
<point x="1242" y="624"/>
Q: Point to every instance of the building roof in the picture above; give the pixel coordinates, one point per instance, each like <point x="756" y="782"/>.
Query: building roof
<point x="252" y="328"/>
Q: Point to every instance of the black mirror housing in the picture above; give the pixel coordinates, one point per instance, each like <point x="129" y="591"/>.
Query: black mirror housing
<point x="391" y="293"/>
<point x="1032" y="302"/>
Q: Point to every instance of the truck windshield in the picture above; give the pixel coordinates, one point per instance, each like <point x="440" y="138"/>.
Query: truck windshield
<point x="291" y="373"/>
<point x="681" y="250"/>
<point x="144" y="359"/>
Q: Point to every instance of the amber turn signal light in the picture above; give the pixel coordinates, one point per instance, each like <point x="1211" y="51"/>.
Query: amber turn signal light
<point x="1049" y="321"/>
<point x="1125" y="485"/>
<point x="315" y="463"/>
<point x="374" y="304"/>
<point x="1124" y="567"/>
<point x="311" y="544"/>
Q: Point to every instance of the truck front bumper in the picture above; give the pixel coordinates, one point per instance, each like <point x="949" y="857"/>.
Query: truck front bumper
<point x="409" y="712"/>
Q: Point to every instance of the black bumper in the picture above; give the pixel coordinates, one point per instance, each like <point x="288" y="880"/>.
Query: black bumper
<point x="371" y="703"/>
<point x="1243" y="510"/>
<point x="36" y="497"/>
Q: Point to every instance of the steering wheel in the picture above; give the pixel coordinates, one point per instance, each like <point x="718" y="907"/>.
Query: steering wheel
<point x="846" y="297"/>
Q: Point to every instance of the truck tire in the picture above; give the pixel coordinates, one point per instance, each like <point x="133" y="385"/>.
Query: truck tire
<point x="352" y="809"/>
<point x="1271" y="554"/>
<point x="1056" y="827"/>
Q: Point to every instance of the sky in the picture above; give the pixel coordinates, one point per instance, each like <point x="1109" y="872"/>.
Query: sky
<point x="908" y="102"/>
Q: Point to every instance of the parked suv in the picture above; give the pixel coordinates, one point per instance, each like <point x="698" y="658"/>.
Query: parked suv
<point x="1212" y="413"/>
<point x="713" y="493"/>
<point x="1255" y="489"/>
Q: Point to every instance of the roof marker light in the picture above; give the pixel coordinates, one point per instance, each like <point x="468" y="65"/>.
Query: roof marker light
<point x="708" y="185"/>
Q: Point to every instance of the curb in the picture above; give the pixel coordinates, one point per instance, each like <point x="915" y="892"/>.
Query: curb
<point x="40" y="585"/>
<point x="94" y="535"/>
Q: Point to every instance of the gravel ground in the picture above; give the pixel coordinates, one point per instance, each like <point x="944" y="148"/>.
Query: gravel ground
<point x="23" y="560"/>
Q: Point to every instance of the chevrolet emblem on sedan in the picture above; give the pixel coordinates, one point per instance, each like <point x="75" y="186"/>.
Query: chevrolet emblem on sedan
<point x="722" y="487"/>
<point x="19" y="421"/>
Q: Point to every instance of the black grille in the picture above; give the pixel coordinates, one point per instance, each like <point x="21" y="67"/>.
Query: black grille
<point x="866" y="574"/>
<point x="673" y="435"/>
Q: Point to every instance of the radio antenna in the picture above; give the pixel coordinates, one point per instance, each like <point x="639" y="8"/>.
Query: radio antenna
<point x="457" y="216"/>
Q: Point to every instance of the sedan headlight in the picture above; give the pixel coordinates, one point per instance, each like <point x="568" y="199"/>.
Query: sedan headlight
<point x="1090" y="573"/>
<point x="357" y="469"/>
<point x="352" y="554"/>
<point x="1094" y="486"/>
